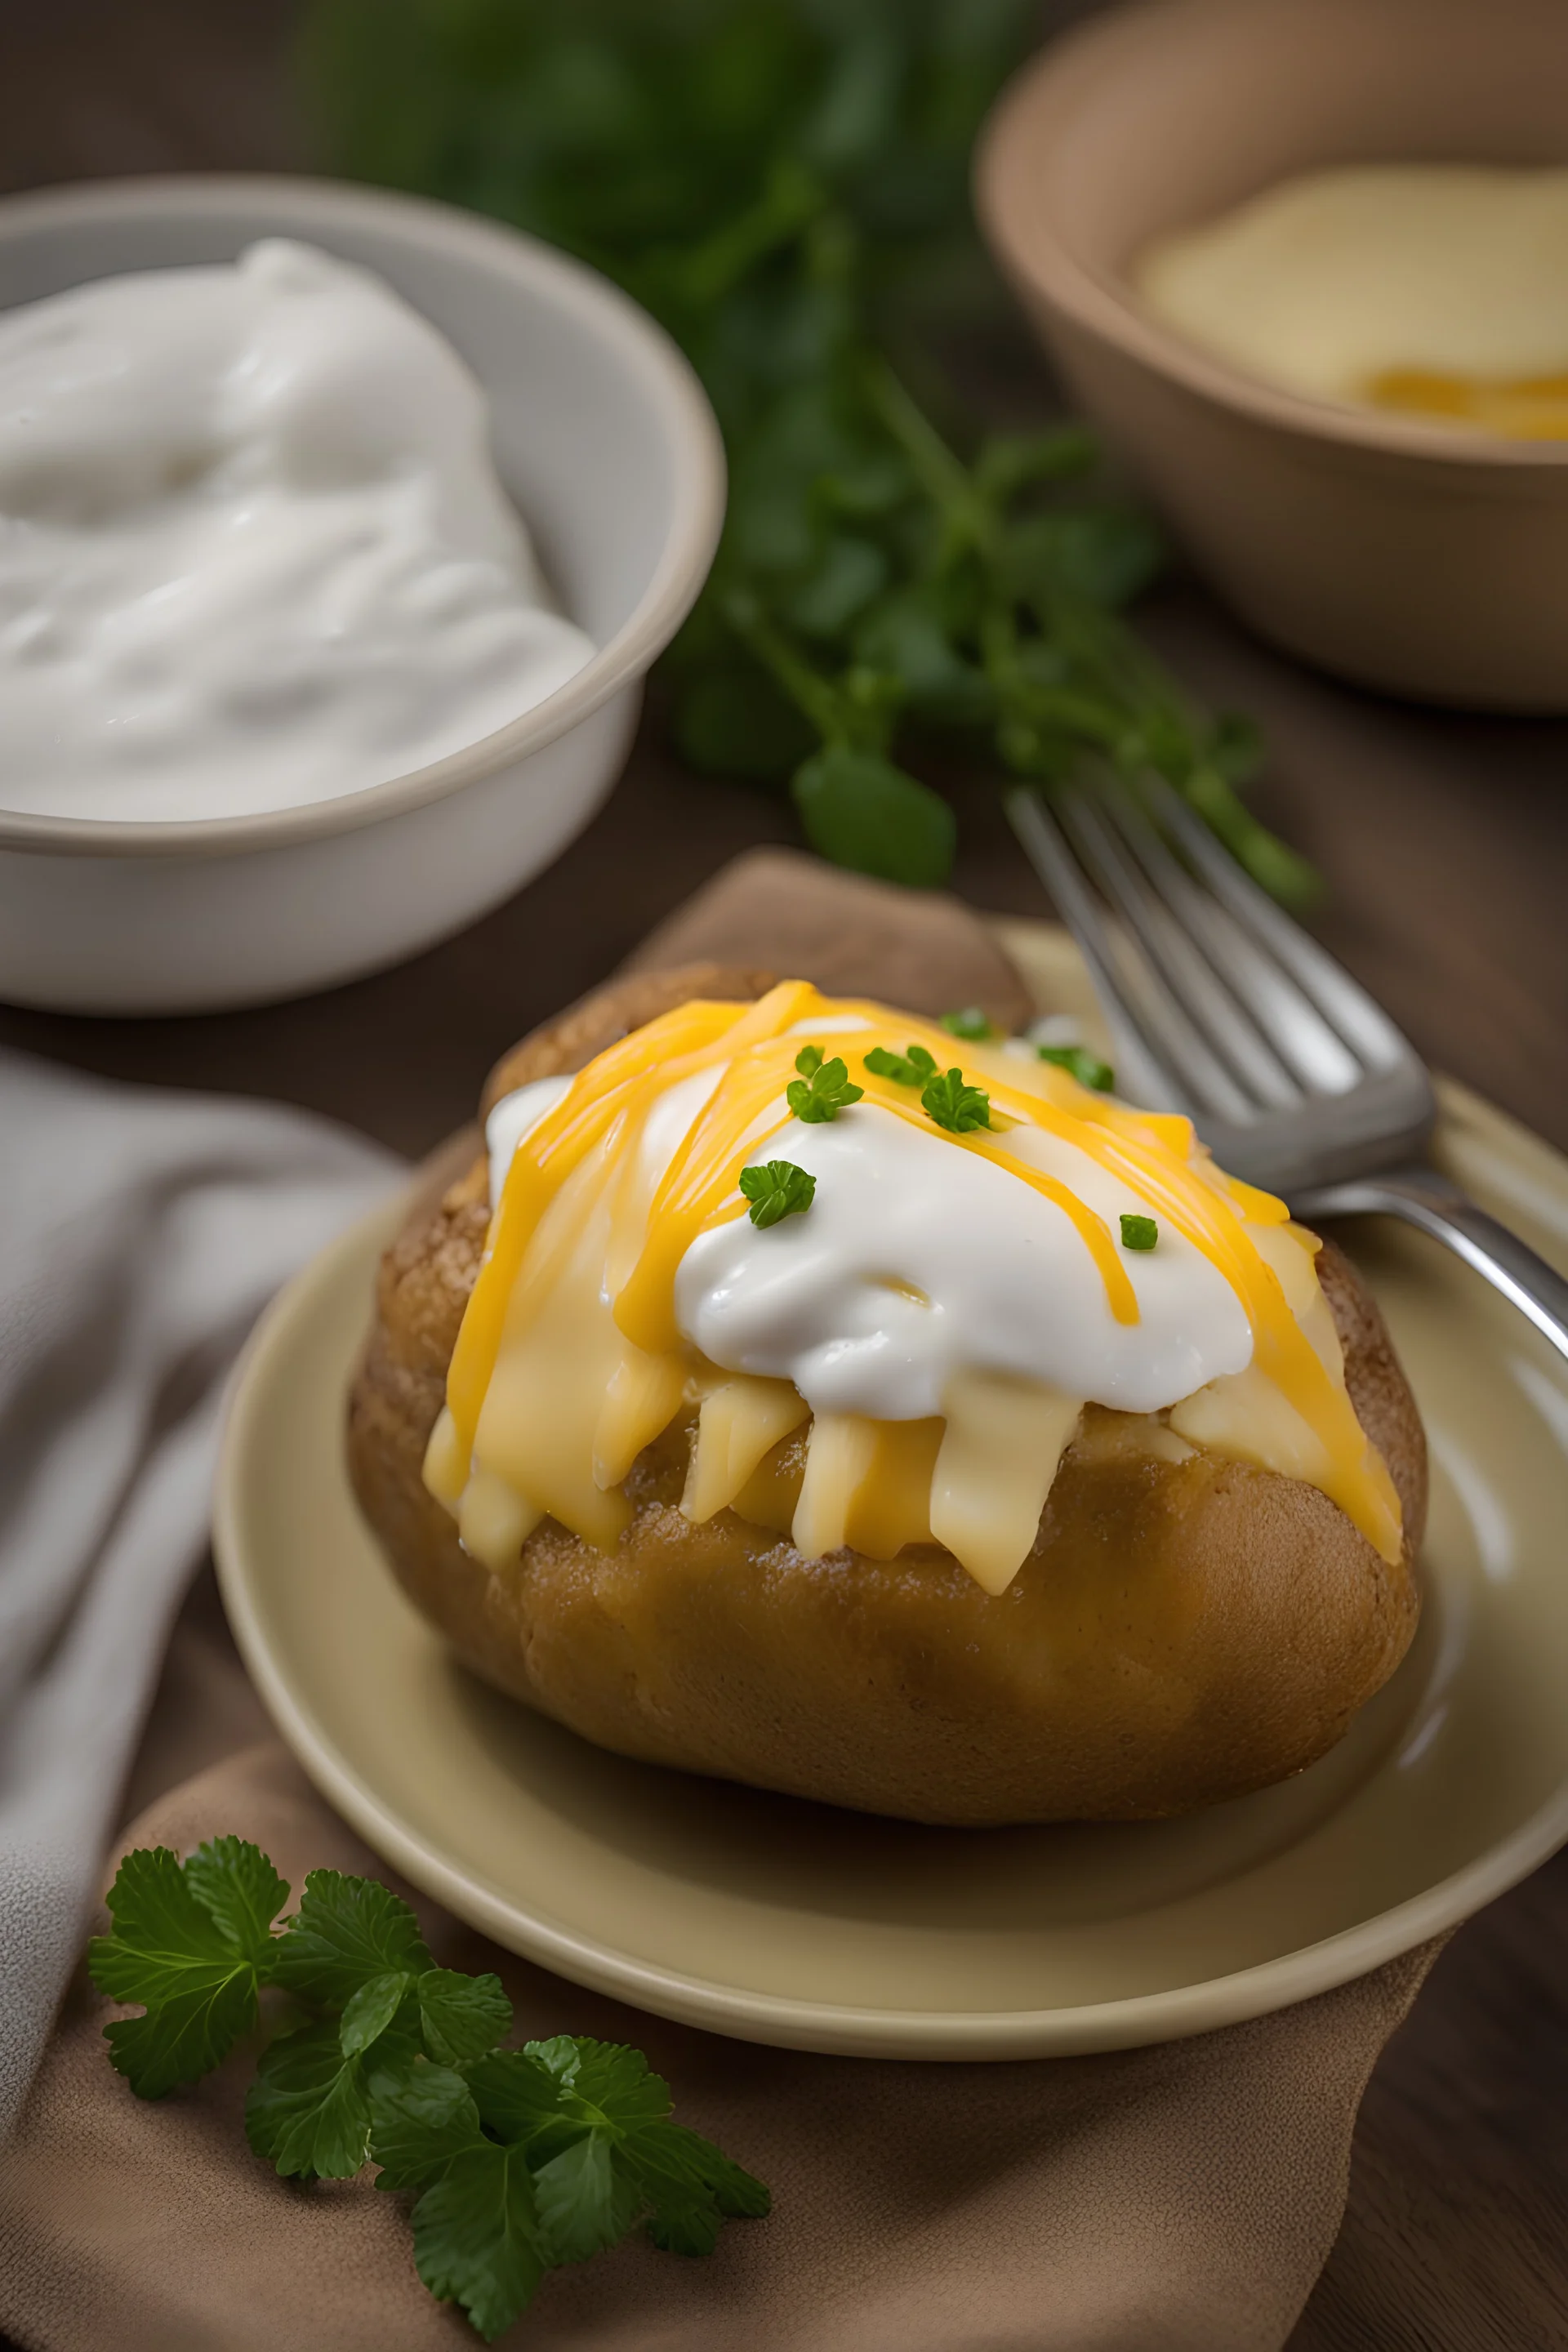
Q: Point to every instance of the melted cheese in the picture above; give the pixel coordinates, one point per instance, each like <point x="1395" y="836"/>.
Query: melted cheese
<point x="739" y="1423"/>
<point x="1519" y="408"/>
<point x="1439" y="290"/>
<point x="620" y="1230"/>
<point x="1003" y="1443"/>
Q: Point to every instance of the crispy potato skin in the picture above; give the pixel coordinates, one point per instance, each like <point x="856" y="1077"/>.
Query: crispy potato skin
<point x="1182" y="1632"/>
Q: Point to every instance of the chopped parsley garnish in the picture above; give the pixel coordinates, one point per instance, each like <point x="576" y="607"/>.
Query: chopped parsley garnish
<point x="970" y="1024"/>
<point x="913" y="1067"/>
<point x="1086" y="1067"/>
<point x="954" y="1104"/>
<point x="776" y="1190"/>
<point x="516" y="2160"/>
<point x="1139" y="1232"/>
<point x="823" y="1089"/>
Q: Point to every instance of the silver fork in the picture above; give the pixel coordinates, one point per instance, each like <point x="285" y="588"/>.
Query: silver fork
<point x="1225" y="1009"/>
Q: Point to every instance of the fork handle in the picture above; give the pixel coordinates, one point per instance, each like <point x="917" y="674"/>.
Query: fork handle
<point x="1426" y="1199"/>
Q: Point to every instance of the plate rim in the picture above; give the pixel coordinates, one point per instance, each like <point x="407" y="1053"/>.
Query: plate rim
<point x="773" y="2018"/>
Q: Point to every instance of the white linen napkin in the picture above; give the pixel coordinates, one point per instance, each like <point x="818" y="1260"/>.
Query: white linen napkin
<point x="140" y="1233"/>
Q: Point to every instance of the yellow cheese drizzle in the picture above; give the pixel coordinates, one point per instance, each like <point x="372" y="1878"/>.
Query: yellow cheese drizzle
<point x="621" y="1082"/>
<point x="572" y="1220"/>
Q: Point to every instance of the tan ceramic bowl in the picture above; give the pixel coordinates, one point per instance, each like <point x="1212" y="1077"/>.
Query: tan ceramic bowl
<point x="1423" y="559"/>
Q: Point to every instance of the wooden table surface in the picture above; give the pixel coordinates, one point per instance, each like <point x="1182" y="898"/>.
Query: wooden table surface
<point x="1445" y="843"/>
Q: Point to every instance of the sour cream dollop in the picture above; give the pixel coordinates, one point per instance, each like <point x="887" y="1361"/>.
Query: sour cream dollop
<point x="254" y="551"/>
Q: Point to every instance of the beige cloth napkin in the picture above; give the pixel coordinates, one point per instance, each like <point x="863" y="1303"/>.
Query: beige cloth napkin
<point x="1176" y="2199"/>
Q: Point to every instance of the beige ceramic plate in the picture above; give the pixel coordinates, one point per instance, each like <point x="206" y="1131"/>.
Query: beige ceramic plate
<point x="789" y="1923"/>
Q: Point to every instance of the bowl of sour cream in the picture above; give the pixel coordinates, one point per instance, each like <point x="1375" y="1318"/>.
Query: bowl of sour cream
<point x="1306" y="263"/>
<point x="338" y="530"/>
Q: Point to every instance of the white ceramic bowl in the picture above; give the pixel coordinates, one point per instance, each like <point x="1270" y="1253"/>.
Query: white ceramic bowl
<point x="605" y="441"/>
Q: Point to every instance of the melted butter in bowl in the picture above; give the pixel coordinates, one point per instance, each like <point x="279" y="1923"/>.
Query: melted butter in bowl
<point x="1439" y="291"/>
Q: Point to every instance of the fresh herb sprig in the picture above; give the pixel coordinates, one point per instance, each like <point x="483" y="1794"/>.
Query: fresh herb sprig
<point x="970" y="1024"/>
<point x="952" y="1103"/>
<point x="913" y="1067"/>
<point x="1081" y="1062"/>
<point x="823" y="1089"/>
<point x="517" y="2160"/>
<point x="785" y="183"/>
<point x="775" y="1190"/>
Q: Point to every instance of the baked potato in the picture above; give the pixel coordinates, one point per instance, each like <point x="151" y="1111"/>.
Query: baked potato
<point x="1186" y="1627"/>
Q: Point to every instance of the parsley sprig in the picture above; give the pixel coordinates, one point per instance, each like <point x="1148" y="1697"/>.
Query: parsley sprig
<point x="517" y="2160"/>
<point x="786" y="188"/>
<point x="823" y="1089"/>
<point x="1082" y="1064"/>
<point x="776" y="1190"/>
<point x="954" y="1104"/>
<point x="970" y="1024"/>
<point x="913" y="1067"/>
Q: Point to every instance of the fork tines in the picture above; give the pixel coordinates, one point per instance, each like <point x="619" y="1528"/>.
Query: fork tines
<point x="1237" y="1012"/>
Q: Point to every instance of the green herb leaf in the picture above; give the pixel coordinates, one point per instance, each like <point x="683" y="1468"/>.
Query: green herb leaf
<point x="609" y="2081"/>
<point x="590" y="2121"/>
<point x="1104" y="555"/>
<point x="421" y="2117"/>
<point x="477" y="2236"/>
<point x="611" y="2092"/>
<point x="862" y="812"/>
<point x="587" y="2201"/>
<point x="692" y="2188"/>
<point x="913" y="1067"/>
<point x="1009" y="462"/>
<point x="822" y="1090"/>
<point x="519" y="2097"/>
<point x="849" y="573"/>
<point x="1139" y="1232"/>
<point x="1236" y="748"/>
<point x="955" y="1105"/>
<point x="776" y="1190"/>
<point x="308" y="2112"/>
<point x="462" y="2016"/>
<point x="194" y="1959"/>
<point x="786" y="185"/>
<point x="918" y="635"/>
<point x="731" y="720"/>
<point x="1086" y="1067"/>
<point x="970" y="1025"/>
<point x="371" y="2011"/>
<point x="346" y="1932"/>
<point x="561" y="2056"/>
<point x="236" y="1884"/>
<point x="518" y="2159"/>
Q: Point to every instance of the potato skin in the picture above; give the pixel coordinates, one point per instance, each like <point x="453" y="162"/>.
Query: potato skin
<point x="1182" y="1631"/>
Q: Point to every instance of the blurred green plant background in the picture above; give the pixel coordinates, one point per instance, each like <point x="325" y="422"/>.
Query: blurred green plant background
<point x="785" y="184"/>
